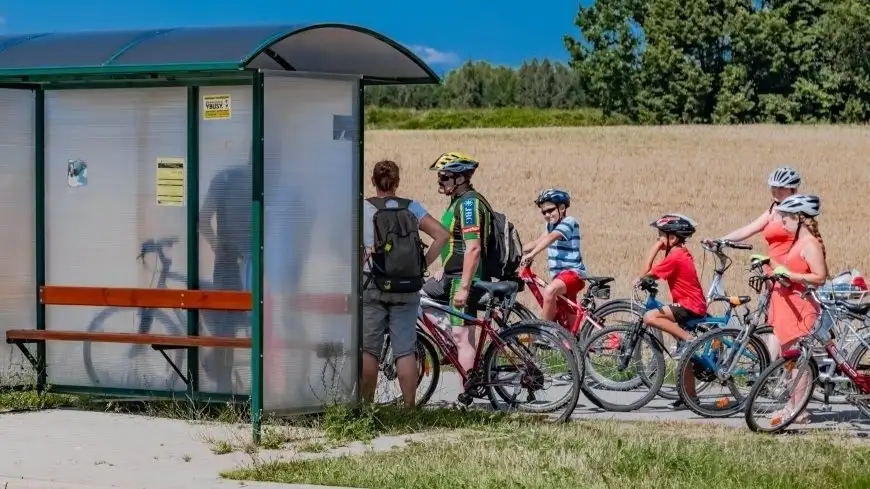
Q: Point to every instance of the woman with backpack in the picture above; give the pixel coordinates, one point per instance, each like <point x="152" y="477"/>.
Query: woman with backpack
<point x="393" y="276"/>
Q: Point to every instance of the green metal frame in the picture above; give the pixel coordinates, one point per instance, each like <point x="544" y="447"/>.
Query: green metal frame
<point x="39" y="238"/>
<point x="257" y="244"/>
<point x="192" y="203"/>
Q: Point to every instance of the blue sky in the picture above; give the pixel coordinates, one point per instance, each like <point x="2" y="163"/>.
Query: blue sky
<point x="445" y="33"/>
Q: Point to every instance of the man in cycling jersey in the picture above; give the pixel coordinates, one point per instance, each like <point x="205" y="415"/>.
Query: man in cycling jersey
<point x="468" y="220"/>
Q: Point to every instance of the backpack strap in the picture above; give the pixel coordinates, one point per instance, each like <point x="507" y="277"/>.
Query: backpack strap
<point x="380" y="203"/>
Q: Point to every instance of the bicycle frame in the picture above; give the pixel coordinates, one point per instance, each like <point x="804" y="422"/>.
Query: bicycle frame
<point x="804" y="353"/>
<point x="569" y="314"/>
<point x="446" y="344"/>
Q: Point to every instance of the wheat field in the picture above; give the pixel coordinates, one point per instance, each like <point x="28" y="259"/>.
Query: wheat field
<point x="621" y="178"/>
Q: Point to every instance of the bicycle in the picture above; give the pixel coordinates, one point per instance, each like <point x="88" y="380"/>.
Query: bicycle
<point x="713" y="357"/>
<point x="514" y="342"/>
<point x="147" y="318"/>
<point x="632" y="335"/>
<point x="715" y="294"/>
<point x="802" y="359"/>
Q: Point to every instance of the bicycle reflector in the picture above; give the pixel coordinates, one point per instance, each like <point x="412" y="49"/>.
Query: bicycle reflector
<point x="755" y="283"/>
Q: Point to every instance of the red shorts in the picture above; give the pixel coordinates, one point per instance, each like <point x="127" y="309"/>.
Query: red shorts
<point x="573" y="283"/>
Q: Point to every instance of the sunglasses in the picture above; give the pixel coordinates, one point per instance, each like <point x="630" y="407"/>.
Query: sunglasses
<point x="548" y="211"/>
<point x="445" y="178"/>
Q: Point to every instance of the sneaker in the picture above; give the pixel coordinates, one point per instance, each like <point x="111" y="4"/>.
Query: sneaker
<point x="682" y="346"/>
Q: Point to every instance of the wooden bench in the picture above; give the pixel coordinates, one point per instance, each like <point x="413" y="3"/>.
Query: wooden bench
<point x="135" y="298"/>
<point x="159" y="342"/>
<point x="166" y="299"/>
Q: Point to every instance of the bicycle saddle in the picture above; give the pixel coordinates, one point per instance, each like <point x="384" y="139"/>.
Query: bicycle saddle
<point x="860" y="309"/>
<point x="498" y="290"/>
<point x="734" y="300"/>
<point x="599" y="280"/>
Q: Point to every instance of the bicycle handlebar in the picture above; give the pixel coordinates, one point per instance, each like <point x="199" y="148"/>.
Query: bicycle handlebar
<point x="156" y="246"/>
<point x="716" y="245"/>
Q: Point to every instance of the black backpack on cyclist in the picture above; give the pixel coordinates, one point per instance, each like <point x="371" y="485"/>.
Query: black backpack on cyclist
<point x="398" y="260"/>
<point x="503" y="248"/>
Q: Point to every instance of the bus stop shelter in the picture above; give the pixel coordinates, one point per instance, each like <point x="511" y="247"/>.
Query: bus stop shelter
<point x="160" y="189"/>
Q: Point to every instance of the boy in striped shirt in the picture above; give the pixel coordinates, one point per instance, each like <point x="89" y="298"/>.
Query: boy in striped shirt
<point x="564" y="255"/>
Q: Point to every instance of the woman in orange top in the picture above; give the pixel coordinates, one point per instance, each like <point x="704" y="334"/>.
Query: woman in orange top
<point x="783" y="182"/>
<point x="791" y="316"/>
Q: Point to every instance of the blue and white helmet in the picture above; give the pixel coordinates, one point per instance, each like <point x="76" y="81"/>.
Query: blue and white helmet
<point x="554" y="195"/>
<point x="784" y="177"/>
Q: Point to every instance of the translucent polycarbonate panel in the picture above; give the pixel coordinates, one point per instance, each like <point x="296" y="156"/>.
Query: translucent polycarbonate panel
<point x="106" y="201"/>
<point x="17" y="225"/>
<point x="225" y="233"/>
<point x="310" y="344"/>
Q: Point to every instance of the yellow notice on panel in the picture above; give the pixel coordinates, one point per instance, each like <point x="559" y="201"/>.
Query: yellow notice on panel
<point x="216" y="107"/>
<point x="170" y="181"/>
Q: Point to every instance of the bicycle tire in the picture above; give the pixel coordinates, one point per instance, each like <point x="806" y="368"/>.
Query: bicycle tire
<point x="854" y="358"/>
<point x="609" y="308"/>
<point x="543" y="330"/>
<point x="171" y="327"/>
<point x="656" y="381"/>
<point x="522" y="313"/>
<point x="564" y="336"/>
<point x="425" y="346"/>
<point x="753" y="342"/>
<point x="757" y="389"/>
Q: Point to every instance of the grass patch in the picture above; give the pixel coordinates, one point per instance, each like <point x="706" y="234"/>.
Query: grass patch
<point x="30" y="400"/>
<point x="508" y="117"/>
<point x="514" y="454"/>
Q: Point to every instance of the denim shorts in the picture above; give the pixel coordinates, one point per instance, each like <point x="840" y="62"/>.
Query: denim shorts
<point x="396" y="313"/>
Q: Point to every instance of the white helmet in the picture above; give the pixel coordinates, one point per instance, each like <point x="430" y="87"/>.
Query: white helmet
<point x="801" y="204"/>
<point x="784" y="177"/>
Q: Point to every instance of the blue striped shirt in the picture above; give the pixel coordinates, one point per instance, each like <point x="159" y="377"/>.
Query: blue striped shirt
<point x="565" y="253"/>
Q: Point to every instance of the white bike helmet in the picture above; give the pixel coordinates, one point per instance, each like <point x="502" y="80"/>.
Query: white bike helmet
<point x="801" y="204"/>
<point x="784" y="177"/>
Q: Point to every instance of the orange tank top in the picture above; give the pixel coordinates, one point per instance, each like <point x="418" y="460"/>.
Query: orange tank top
<point x="779" y="240"/>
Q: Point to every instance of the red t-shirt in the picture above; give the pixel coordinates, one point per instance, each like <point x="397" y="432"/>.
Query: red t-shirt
<point x="678" y="269"/>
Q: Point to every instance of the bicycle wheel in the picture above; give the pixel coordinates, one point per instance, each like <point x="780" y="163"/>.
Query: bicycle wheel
<point x="774" y="388"/>
<point x="519" y="313"/>
<point x="644" y="366"/>
<point x="860" y="362"/>
<point x="510" y="368"/>
<point x="429" y="370"/>
<point x="705" y="356"/>
<point x="146" y="320"/>
<point x="610" y="313"/>
<point x="566" y="338"/>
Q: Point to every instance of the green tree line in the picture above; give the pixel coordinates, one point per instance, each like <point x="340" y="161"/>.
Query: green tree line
<point x="683" y="61"/>
<point x="726" y="61"/>
<point x="476" y="85"/>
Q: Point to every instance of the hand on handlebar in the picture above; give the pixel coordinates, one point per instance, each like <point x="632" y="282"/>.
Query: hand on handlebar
<point x="526" y="260"/>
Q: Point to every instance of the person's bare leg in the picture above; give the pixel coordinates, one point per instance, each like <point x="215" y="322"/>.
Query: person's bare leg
<point x="664" y="321"/>
<point x="464" y="336"/>
<point x="369" y="376"/>
<point x="551" y="294"/>
<point x="407" y="367"/>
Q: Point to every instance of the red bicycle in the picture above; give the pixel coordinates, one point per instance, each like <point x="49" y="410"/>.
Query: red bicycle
<point x="785" y="387"/>
<point x="583" y="317"/>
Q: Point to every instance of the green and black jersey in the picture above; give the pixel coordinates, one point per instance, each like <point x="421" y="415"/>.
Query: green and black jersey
<point x="467" y="217"/>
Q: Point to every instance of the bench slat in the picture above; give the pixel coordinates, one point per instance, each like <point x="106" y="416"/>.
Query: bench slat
<point x="128" y="338"/>
<point x="63" y="295"/>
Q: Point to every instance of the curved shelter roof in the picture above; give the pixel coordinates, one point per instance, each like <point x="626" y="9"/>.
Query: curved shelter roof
<point x="320" y="48"/>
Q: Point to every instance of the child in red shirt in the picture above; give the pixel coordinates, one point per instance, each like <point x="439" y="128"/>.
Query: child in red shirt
<point x="678" y="269"/>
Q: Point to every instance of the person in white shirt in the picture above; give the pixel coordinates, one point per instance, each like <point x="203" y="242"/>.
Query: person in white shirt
<point x="390" y="311"/>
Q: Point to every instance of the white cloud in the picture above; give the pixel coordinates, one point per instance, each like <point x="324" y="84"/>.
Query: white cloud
<point x="434" y="57"/>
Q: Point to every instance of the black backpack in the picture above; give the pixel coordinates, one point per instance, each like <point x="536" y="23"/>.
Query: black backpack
<point x="503" y="248"/>
<point x="398" y="260"/>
